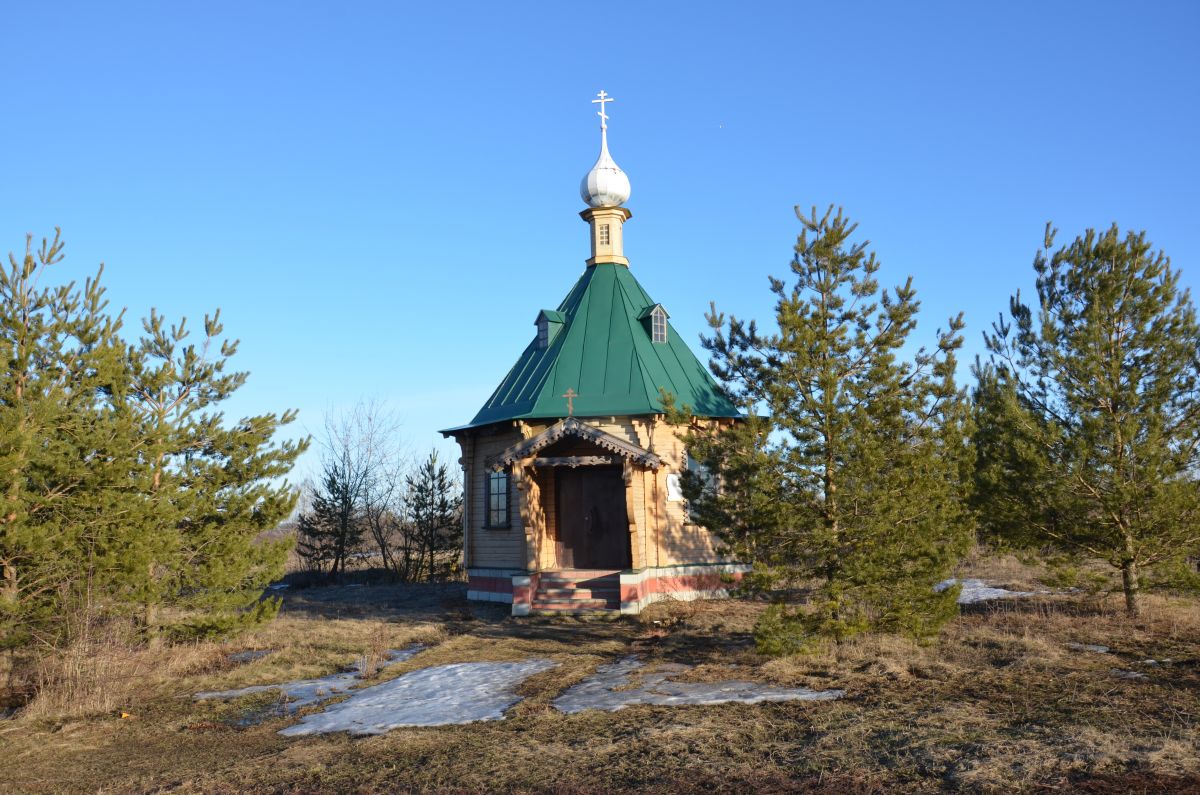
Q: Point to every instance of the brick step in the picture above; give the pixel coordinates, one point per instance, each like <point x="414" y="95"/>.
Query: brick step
<point x="575" y="574"/>
<point x="576" y="595"/>
<point x="569" y="592"/>
<point x="570" y="604"/>
<point x="562" y="611"/>
<point x="582" y="574"/>
<point x="609" y="585"/>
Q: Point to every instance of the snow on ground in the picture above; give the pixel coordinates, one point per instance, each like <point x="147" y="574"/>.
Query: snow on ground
<point x="303" y="692"/>
<point x="603" y="690"/>
<point x="974" y="591"/>
<point x="455" y="693"/>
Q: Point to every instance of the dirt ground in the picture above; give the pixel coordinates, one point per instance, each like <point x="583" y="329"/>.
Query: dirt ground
<point x="1001" y="702"/>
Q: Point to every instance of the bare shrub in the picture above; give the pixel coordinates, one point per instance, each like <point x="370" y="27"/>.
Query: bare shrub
<point x="375" y="655"/>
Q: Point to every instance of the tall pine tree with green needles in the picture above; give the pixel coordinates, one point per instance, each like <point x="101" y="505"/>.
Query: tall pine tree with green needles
<point x="215" y="486"/>
<point x="125" y="491"/>
<point x="864" y="450"/>
<point x="69" y="525"/>
<point x="332" y="529"/>
<point x="434" y="507"/>
<point x="1098" y="397"/>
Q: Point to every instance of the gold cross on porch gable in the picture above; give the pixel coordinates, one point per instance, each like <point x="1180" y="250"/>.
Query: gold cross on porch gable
<point x="570" y="395"/>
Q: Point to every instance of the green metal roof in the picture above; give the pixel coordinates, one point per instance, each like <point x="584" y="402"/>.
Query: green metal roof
<point x="604" y="353"/>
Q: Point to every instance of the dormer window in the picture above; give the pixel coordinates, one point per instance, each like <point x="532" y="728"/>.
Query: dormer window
<point x="654" y="318"/>
<point x="658" y="325"/>
<point x="549" y="323"/>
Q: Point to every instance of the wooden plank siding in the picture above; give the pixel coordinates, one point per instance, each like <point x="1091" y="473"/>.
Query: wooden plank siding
<point x="660" y="531"/>
<point x="492" y="548"/>
<point x="548" y="553"/>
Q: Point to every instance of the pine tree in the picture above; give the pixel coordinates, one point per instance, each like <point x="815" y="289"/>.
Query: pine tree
<point x="214" y="486"/>
<point x="434" y="504"/>
<point x="333" y="528"/>
<point x="864" y="452"/>
<point x="739" y="490"/>
<point x="124" y="489"/>
<point x="1101" y="404"/>
<point x="68" y="526"/>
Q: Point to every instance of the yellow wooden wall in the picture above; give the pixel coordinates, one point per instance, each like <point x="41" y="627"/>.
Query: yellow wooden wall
<point x="486" y="548"/>
<point x="661" y="533"/>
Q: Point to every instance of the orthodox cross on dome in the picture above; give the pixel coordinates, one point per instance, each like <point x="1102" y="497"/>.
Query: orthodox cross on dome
<point x="603" y="99"/>
<point x="570" y="395"/>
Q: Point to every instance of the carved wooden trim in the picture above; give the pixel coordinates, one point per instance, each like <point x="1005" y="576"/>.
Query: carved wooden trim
<point x="636" y="552"/>
<point x="573" y="427"/>
<point x="576" y="461"/>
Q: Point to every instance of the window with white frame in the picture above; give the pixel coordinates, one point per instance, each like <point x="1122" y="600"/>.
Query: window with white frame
<point x="497" y="499"/>
<point x="605" y="238"/>
<point x="658" y="325"/>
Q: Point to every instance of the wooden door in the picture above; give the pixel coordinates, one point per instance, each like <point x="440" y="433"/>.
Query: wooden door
<point x="593" y="529"/>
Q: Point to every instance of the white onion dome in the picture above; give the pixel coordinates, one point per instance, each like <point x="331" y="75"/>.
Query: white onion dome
<point x="606" y="184"/>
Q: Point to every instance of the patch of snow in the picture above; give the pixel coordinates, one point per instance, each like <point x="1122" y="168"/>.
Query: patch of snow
<point x="1136" y="676"/>
<point x="1088" y="647"/>
<point x="974" y="591"/>
<point x="602" y="690"/>
<point x="304" y="692"/>
<point x="443" y="694"/>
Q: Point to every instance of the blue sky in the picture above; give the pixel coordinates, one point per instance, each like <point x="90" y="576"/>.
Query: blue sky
<point x="380" y="197"/>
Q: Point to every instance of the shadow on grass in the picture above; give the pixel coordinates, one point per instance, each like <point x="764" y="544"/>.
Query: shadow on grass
<point x="1040" y="607"/>
<point x="381" y="600"/>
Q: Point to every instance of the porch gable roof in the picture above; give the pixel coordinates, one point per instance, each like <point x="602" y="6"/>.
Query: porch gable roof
<point x="573" y="427"/>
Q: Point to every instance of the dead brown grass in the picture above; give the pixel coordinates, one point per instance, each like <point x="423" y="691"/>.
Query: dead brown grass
<point x="107" y="670"/>
<point x="997" y="703"/>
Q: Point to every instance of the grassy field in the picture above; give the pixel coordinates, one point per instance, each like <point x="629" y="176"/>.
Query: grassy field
<point x="999" y="703"/>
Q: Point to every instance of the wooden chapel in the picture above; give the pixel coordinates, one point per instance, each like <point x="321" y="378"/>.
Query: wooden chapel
<point x="571" y="473"/>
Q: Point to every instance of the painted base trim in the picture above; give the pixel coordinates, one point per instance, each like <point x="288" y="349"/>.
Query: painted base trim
<point x="635" y="576"/>
<point x="476" y="572"/>
<point x="677" y="583"/>
<point x="489" y="596"/>
<point x="637" y="606"/>
<point x="491" y="585"/>
<point x="639" y="588"/>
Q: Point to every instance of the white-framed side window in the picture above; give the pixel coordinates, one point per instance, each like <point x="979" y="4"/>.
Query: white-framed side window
<point x="497" y="500"/>
<point x="605" y="236"/>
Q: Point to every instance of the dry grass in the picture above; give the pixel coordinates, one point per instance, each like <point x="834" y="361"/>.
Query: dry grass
<point x="107" y="670"/>
<point x="998" y="703"/>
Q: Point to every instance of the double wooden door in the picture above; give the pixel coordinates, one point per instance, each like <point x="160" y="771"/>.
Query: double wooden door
<point x="593" y="528"/>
